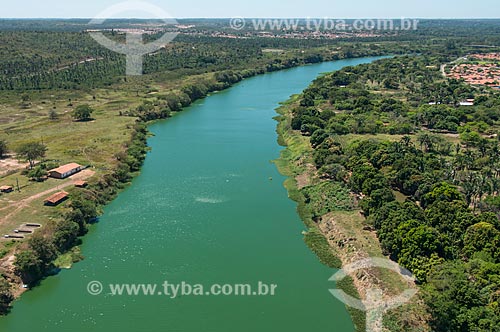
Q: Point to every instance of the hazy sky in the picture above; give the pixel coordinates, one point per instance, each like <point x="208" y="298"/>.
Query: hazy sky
<point x="263" y="8"/>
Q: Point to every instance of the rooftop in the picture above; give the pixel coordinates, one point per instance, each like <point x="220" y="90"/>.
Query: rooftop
<point x="56" y="198"/>
<point x="65" y="168"/>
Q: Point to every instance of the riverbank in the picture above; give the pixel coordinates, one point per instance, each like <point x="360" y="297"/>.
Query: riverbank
<point x="340" y="237"/>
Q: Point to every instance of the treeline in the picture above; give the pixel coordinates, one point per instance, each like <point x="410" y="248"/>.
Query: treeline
<point x="35" y="60"/>
<point x="446" y="228"/>
<point x="163" y="105"/>
<point x="70" y="60"/>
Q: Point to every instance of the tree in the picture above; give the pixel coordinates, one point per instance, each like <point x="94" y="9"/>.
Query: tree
<point x="83" y="211"/>
<point x="38" y="174"/>
<point x="122" y="173"/>
<point x="53" y="115"/>
<point x="77" y="217"/>
<point x="26" y="101"/>
<point x="3" y="148"/>
<point x="318" y="137"/>
<point x="83" y="113"/>
<point x="44" y="249"/>
<point x="6" y="296"/>
<point x="471" y="138"/>
<point x="376" y="200"/>
<point x="25" y="98"/>
<point x="427" y="141"/>
<point x="32" y="151"/>
<point x="65" y="234"/>
<point x="27" y="265"/>
<point x="33" y="263"/>
<point x="441" y="192"/>
<point x="482" y="237"/>
<point x="417" y="243"/>
<point x="335" y="172"/>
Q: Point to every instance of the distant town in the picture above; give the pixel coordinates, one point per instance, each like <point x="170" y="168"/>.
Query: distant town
<point x="478" y="69"/>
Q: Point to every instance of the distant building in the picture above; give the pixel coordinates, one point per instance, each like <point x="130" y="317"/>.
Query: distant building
<point x="80" y="184"/>
<point x="56" y="199"/>
<point x="466" y="103"/>
<point x="6" y="189"/>
<point x="65" y="171"/>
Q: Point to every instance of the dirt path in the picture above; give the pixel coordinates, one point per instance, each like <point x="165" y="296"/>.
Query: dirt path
<point x="19" y="205"/>
<point x="443" y="67"/>
<point x="347" y="236"/>
<point x="10" y="163"/>
<point x="443" y="70"/>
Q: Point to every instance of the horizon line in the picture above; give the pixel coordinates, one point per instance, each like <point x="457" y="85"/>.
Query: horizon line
<point x="249" y="17"/>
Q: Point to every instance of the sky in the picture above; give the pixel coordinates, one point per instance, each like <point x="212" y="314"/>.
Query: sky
<point x="261" y="8"/>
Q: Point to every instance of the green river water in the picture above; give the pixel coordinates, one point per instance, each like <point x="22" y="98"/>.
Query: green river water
<point x="203" y="211"/>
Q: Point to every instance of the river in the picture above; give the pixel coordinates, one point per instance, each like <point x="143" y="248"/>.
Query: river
<point x="209" y="207"/>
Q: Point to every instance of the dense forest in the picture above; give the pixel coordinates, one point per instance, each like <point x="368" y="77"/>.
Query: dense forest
<point x="63" y="60"/>
<point x="426" y="171"/>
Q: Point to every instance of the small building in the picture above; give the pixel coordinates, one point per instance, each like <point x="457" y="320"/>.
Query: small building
<point x="81" y="184"/>
<point x="6" y="189"/>
<point x="65" y="171"/>
<point x="466" y="103"/>
<point x="56" y="199"/>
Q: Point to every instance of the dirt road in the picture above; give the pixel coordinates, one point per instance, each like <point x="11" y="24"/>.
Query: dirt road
<point x="83" y="175"/>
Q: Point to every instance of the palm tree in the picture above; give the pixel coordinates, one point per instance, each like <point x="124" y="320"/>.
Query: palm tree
<point x="406" y="141"/>
<point x="424" y="140"/>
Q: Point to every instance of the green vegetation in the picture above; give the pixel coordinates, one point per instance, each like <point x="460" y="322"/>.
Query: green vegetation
<point x="6" y="296"/>
<point x="327" y="197"/>
<point x="65" y="261"/>
<point x="294" y="163"/>
<point x="358" y="316"/>
<point x="31" y="152"/>
<point x="70" y="60"/>
<point x="444" y="160"/>
<point x="320" y="246"/>
<point x="83" y="113"/>
<point x="3" y="148"/>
